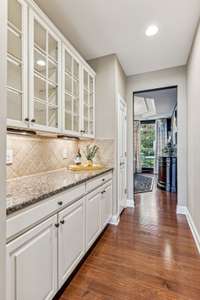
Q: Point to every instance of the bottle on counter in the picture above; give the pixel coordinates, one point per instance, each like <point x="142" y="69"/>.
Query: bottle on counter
<point x="77" y="159"/>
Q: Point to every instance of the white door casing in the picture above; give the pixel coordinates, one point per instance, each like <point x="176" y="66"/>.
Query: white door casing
<point x="122" y="157"/>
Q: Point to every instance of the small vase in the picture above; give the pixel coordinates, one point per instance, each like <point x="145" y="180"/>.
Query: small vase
<point x="89" y="163"/>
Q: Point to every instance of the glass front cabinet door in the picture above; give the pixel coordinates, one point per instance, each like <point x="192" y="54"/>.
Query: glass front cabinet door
<point x="45" y="76"/>
<point x="88" y="108"/>
<point x="17" y="114"/>
<point x="71" y="93"/>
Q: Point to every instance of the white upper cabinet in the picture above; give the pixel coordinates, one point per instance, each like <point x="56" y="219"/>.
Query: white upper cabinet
<point x="17" y="63"/>
<point x="88" y="105"/>
<point x="71" y="93"/>
<point x="49" y="85"/>
<point x="44" y="76"/>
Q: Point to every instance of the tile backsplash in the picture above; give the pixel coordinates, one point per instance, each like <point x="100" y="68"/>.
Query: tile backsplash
<point x="37" y="154"/>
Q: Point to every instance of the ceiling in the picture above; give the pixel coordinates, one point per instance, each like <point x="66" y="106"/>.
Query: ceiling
<point x="101" y="27"/>
<point x="164" y="102"/>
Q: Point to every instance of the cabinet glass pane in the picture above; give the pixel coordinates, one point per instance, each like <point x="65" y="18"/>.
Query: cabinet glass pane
<point x="39" y="36"/>
<point x="53" y="48"/>
<point x="52" y="72"/>
<point x="53" y="116"/>
<point x="86" y="126"/>
<point x="76" y="106"/>
<point x="76" y="88"/>
<point x="40" y="63"/>
<point x="14" y="44"/>
<point x="68" y="121"/>
<point x="91" y="129"/>
<point x="68" y="103"/>
<point x="68" y="63"/>
<point x="91" y="84"/>
<point x="85" y="111"/>
<point x="14" y="75"/>
<point x="40" y="113"/>
<point x="76" y="69"/>
<point x="91" y="103"/>
<point x="52" y="94"/>
<point x="39" y="88"/>
<point x="76" y="123"/>
<point x="68" y="83"/>
<point x="91" y="114"/>
<point x="85" y="80"/>
<point x="14" y="105"/>
<point x="15" y="13"/>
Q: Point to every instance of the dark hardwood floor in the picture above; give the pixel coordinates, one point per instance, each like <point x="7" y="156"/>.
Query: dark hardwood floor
<point x="151" y="255"/>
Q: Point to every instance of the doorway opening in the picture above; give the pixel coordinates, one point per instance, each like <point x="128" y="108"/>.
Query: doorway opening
<point x="155" y="140"/>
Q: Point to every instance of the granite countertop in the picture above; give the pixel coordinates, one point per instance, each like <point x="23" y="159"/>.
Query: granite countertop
<point x="27" y="190"/>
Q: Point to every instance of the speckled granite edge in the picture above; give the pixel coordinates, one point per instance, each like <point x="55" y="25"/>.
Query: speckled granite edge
<point x="15" y="208"/>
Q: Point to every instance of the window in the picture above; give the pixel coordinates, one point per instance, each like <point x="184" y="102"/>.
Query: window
<point x="147" y="136"/>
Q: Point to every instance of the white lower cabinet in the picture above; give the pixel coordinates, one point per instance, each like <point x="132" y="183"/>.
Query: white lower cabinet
<point x="40" y="260"/>
<point x="106" y="205"/>
<point x="93" y="218"/>
<point x="32" y="263"/>
<point x="71" y="239"/>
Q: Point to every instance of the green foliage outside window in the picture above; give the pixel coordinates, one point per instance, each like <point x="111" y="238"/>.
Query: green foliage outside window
<point x="147" y="145"/>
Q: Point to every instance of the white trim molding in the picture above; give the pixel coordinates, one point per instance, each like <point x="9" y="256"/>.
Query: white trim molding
<point x="193" y="229"/>
<point x="115" y="220"/>
<point x="130" y="203"/>
<point x="183" y="210"/>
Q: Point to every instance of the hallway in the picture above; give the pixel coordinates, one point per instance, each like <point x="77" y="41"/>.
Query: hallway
<point x="149" y="256"/>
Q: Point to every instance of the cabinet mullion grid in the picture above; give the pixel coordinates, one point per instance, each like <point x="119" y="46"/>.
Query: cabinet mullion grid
<point x="47" y="77"/>
<point x="14" y="60"/>
<point x="72" y="93"/>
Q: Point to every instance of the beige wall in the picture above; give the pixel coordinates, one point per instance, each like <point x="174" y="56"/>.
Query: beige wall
<point x="3" y="15"/>
<point x="120" y="79"/>
<point x="193" y="90"/>
<point x="105" y="96"/>
<point x="160" y="79"/>
<point x="110" y="82"/>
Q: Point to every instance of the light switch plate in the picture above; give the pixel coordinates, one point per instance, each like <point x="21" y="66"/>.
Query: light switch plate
<point x="65" y="154"/>
<point x="9" y="157"/>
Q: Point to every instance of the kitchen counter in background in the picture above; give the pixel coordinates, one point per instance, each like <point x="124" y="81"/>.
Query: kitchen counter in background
<point x="27" y="190"/>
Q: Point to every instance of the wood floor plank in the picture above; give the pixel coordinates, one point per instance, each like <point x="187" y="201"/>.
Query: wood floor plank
<point x="150" y="255"/>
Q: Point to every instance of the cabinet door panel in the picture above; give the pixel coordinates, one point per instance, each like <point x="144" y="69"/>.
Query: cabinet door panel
<point x="71" y="239"/>
<point x="17" y="63"/>
<point x="32" y="264"/>
<point x="106" y="206"/>
<point x="45" y="76"/>
<point x="92" y="218"/>
<point x="88" y="122"/>
<point x="71" y="93"/>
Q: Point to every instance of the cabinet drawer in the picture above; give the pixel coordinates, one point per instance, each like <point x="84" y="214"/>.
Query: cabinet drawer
<point x="96" y="182"/>
<point x="30" y="216"/>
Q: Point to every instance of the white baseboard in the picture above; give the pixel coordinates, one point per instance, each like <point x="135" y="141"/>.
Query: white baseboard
<point x="114" y="220"/>
<point x="193" y="229"/>
<point x="130" y="203"/>
<point x="183" y="210"/>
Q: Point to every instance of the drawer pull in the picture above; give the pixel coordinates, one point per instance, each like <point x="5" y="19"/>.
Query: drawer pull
<point x="60" y="203"/>
<point x="103" y="179"/>
<point x="103" y="192"/>
<point x="62" y="222"/>
<point x="57" y="225"/>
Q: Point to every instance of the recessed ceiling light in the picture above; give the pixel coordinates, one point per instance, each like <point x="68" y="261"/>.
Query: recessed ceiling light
<point x="152" y="30"/>
<point x="41" y="62"/>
